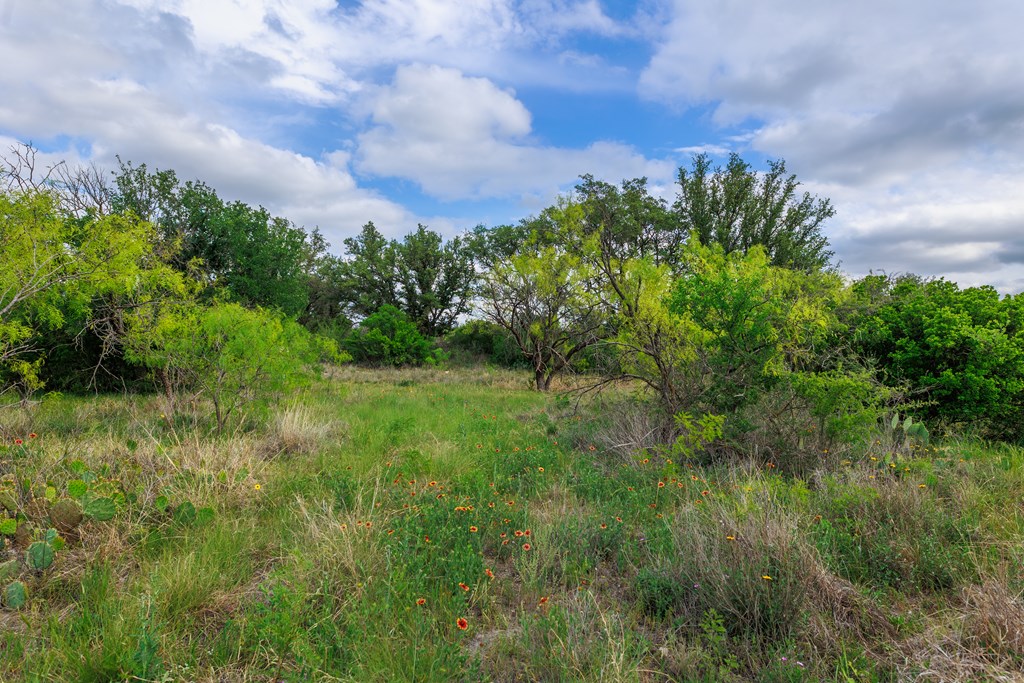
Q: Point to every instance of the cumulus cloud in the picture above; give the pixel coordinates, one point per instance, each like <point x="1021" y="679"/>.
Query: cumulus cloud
<point x="909" y="113"/>
<point x="463" y="137"/>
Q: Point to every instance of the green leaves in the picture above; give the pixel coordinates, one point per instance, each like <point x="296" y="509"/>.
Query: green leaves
<point x="8" y="526"/>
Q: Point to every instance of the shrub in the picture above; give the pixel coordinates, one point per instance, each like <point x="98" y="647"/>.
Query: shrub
<point x="229" y="354"/>
<point x="389" y="337"/>
<point x="962" y="348"/>
<point x="487" y="340"/>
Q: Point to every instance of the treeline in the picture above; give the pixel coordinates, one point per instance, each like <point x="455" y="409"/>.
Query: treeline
<point x="724" y="304"/>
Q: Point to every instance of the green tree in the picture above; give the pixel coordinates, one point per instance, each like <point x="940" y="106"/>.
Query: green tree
<point x="227" y="354"/>
<point x="961" y="349"/>
<point x="59" y="268"/>
<point x="738" y="208"/>
<point x="435" y="280"/>
<point x="545" y="298"/>
<point x="427" y="278"/>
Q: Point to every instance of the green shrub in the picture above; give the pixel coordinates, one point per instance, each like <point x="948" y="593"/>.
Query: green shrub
<point x="389" y="337"/>
<point x="962" y="348"/>
<point x="484" y="339"/>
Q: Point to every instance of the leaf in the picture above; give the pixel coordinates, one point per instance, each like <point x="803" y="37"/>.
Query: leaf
<point x="39" y="555"/>
<point x="77" y="488"/>
<point x="15" y="595"/>
<point x="185" y="513"/>
<point x="160" y="503"/>
<point x="8" y="527"/>
<point x="77" y="466"/>
<point x="204" y="515"/>
<point x="51" y="493"/>
<point x="100" y="509"/>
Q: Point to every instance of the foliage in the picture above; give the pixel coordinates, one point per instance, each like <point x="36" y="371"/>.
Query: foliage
<point x="389" y="337"/>
<point x="227" y="354"/>
<point x="483" y="339"/>
<point x="738" y="208"/>
<point x="543" y="297"/>
<point x="60" y="269"/>
<point x="961" y="349"/>
<point x="428" y="279"/>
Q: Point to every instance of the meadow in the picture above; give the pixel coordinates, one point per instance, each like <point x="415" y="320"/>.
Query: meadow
<point x="454" y="525"/>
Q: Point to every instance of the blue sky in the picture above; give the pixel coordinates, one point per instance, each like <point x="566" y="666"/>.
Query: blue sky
<point x="909" y="115"/>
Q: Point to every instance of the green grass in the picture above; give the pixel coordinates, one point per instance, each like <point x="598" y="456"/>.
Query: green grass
<point x="348" y="537"/>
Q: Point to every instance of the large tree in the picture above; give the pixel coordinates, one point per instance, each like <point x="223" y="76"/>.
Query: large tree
<point x="545" y="298"/>
<point x="738" y="208"/>
<point x="429" y="279"/>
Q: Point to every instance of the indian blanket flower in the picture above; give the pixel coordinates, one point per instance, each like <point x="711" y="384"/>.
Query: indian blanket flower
<point x="473" y="529"/>
<point x="463" y="586"/>
<point x="462" y="623"/>
<point x="489" y="573"/>
<point x="526" y="547"/>
<point x="421" y="602"/>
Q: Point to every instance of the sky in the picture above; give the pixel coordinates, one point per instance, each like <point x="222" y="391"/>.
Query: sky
<point x="908" y="115"/>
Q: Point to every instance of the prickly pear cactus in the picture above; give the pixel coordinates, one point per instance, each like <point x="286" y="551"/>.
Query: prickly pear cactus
<point x="15" y="595"/>
<point x="66" y="515"/>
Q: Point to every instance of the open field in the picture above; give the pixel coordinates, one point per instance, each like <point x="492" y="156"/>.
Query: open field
<point x="440" y="525"/>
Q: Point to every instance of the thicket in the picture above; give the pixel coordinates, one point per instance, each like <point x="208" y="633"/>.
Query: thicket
<point x="722" y="304"/>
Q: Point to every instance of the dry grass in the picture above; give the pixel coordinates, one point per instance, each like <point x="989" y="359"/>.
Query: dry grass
<point x="298" y="429"/>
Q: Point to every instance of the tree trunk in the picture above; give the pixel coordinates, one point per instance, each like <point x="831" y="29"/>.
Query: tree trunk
<point x="543" y="383"/>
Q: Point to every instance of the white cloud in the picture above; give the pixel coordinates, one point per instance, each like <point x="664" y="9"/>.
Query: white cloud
<point x="909" y="113"/>
<point x="461" y="137"/>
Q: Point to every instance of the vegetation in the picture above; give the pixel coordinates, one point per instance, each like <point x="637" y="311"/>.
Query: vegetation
<point x="677" y="447"/>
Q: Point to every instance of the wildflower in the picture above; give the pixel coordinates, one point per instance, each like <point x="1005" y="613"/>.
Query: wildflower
<point x="431" y="483"/>
<point x="516" y="449"/>
<point x="730" y="538"/>
<point x="479" y="445"/>
<point x="462" y="623"/>
<point x="344" y="527"/>
<point x="540" y="469"/>
<point x="766" y="577"/>
<point x="526" y="547"/>
<point x="426" y="539"/>
<point x="369" y="524"/>
<point x="390" y="532"/>
<point x="421" y="602"/>
<point x="592" y="447"/>
<point x="463" y="586"/>
<point x="18" y="442"/>
<point x="503" y="534"/>
<point x="518" y="533"/>
<point x="694" y="477"/>
<point x="705" y="492"/>
<point x="257" y="487"/>
<point x="505" y="542"/>
<point x="526" y="533"/>
<point x="32" y="435"/>
<point x="543" y="600"/>
<point x="603" y="525"/>
<point x="510" y="502"/>
<point x="618" y="519"/>
<point x="491" y="504"/>
<point x="489" y="573"/>
<point x="658" y="516"/>
<point x="645" y="461"/>
<point x="661" y="484"/>
<point x="921" y="486"/>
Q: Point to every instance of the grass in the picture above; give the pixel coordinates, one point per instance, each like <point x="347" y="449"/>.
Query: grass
<point x="432" y="525"/>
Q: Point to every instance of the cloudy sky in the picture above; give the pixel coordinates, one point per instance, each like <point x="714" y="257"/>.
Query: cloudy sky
<point x="909" y="115"/>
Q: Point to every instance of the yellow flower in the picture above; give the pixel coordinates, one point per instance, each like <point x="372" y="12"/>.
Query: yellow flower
<point x="766" y="577"/>
<point x="257" y="487"/>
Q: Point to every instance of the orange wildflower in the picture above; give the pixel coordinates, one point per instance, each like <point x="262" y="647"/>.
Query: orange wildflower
<point x="462" y="623"/>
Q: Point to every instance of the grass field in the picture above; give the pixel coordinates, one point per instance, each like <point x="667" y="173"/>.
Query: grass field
<point x="455" y="526"/>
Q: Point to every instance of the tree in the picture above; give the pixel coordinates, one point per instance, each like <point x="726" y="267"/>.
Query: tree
<point x="428" y="279"/>
<point x="367" y="278"/>
<point x="389" y="337"/>
<point x="58" y="267"/>
<point x="544" y="297"/>
<point x="435" y="279"/>
<point x="738" y="208"/>
<point x="225" y="353"/>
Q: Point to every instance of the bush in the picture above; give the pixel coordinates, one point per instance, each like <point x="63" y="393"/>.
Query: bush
<point x="962" y="349"/>
<point x="482" y="339"/>
<point x="226" y="353"/>
<point x="389" y="337"/>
